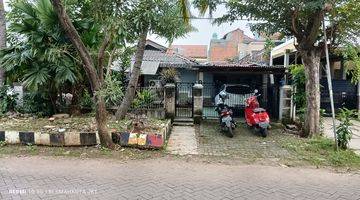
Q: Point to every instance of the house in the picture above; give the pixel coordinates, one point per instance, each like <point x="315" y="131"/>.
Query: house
<point x="157" y="57"/>
<point x="235" y="45"/>
<point x="197" y="52"/>
<point x="212" y="74"/>
<point x="345" y="93"/>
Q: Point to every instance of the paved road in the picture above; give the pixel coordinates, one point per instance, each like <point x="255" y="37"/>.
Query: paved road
<point x="64" y="178"/>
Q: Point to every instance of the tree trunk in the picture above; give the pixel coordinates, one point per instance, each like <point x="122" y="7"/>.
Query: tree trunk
<point x="89" y="67"/>
<point x="311" y="61"/>
<point x="131" y="88"/>
<point x="101" y="122"/>
<point x="2" y="39"/>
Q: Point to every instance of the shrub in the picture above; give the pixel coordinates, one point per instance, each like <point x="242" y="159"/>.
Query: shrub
<point x="343" y="131"/>
<point x="37" y="103"/>
<point x="144" y="98"/>
<point x="112" y="92"/>
<point x="86" y="101"/>
<point x="298" y="81"/>
<point x="169" y="75"/>
<point x="7" y="99"/>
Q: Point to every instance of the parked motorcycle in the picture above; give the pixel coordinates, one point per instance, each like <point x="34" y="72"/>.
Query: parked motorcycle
<point x="226" y="120"/>
<point x="255" y="116"/>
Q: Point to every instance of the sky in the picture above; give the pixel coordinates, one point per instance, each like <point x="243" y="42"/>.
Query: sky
<point x="205" y="29"/>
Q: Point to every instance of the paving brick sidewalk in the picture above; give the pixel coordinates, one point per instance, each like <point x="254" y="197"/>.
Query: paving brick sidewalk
<point x="166" y="178"/>
<point x="182" y="141"/>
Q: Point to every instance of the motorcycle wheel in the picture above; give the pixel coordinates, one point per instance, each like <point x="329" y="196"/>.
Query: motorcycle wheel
<point x="264" y="132"/>
<point x="230" y="132"/>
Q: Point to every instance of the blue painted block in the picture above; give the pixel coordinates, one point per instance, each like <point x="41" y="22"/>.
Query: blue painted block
<point x="124" y="138"/>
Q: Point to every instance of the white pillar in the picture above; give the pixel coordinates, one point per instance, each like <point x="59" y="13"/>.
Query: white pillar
<point x="201" y="76"/>
<point x="286" y="63"/>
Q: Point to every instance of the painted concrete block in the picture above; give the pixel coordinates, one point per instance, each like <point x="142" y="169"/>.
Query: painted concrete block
<point x="72" y="139"/>
<point x="88" y="139"/>
<point x="115" y="136"/>
<point x="27" y="137"/>
<point x="97" y="138"/>
<point x="142" y="139"/>
<point x="124" y="138"/>
<point x="133" y="139"/>
<point x="12" y="137"/>
<point x="155" y="140"/>
<point x="43" y="139"/>
<point x="57" y="139"/>
<point x="2" y="136"/>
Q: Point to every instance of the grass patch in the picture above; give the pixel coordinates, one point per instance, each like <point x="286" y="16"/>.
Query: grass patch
<point x="80" y="152"/>
<point x="73" y="124"/>
<point x="320" y="151"/>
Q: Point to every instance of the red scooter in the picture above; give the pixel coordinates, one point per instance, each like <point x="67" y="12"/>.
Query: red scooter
<point x="255" y="116"/>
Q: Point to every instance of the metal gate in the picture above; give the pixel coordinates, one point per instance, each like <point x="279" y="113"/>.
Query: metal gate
<point x="184" y="100"/>
<point x="209" y="105"/>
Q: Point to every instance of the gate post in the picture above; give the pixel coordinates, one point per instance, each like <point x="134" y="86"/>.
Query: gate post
<point x="169" y="101"/>
<point x="198" y="103"/>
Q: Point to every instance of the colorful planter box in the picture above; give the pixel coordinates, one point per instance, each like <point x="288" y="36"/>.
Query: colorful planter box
<point x="142" y="140"/>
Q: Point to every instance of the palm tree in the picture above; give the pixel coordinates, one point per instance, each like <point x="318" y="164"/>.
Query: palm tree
<point x="201" y="5"/>
<point x="2" y="38"/>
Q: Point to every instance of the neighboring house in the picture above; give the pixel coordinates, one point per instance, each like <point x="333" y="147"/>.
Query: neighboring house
<point x="235" y="45"/>
<point x="156" y="58"/>
<point x="345" y="93"/>
<point x="197" y="52"/>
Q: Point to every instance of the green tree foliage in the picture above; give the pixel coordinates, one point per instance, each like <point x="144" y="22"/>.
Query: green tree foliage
<point x="351" y="54"/>
<point x="39" y="54"/>
<point x="269" y="45"/>
<point x="298" y="81"/>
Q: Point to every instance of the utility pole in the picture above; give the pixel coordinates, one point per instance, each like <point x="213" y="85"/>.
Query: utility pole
<point x="328" y="73"/>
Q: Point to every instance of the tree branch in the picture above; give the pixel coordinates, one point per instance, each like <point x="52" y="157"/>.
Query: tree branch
<point x="313" y="27"/>
<point x="294" y="24"/>
<point x="101" y="55"/>
<point x="111" y="57"/>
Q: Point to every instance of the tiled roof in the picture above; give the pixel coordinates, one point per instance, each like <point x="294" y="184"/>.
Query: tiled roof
<point x="167" y="59"/>
<point x="192" y="51"/>
<point x="224" y="64"/>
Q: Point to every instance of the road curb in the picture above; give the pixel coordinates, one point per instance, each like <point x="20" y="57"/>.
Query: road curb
<point x="145" y="140"/>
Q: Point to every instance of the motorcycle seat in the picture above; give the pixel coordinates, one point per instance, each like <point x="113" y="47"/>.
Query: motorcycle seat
<point x="257" y="110"/>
